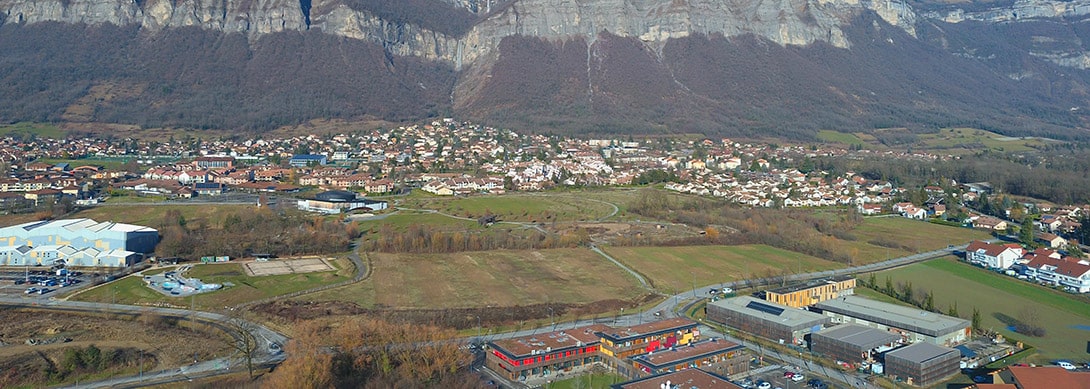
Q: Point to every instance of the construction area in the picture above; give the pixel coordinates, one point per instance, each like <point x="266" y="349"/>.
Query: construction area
<point x="288" y="266"/>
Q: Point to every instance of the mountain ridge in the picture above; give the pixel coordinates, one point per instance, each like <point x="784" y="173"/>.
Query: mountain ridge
<point x="599" y="88"/>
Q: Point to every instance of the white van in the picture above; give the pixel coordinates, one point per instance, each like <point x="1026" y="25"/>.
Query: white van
<point x="1066" y="365"/>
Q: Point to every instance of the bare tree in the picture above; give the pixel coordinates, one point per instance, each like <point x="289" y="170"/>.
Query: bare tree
<point x="241" y="337"/>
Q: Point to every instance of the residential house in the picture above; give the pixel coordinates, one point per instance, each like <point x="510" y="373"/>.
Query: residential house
<point x="1051" y="240"/>
<point x="1067" y="272"/>
<point x="870" y="209"/>
<point x="990" y="223"/>
<point x="990" y="255"/>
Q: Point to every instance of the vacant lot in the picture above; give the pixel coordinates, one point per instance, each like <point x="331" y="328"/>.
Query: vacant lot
<point x="131" y="290"/>
<point x="23" y="365"/>
<point x="999" y="299"/>
<point x="908" y="236"/>
<point x="480" y="279"/>
<point x="679" y="268"/>
<point x="541" y="208"/>
<point x="211" y="215"/>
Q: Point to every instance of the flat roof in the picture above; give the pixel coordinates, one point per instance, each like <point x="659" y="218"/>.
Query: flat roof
<point x="920" y="352"/>
<point x="865" y="338"/>
<point x="908" y="318"/>
<point x="682" y="354"/>
<point x="653" y="328"/>
<point x="767" y="310"/>
<point x="809" y="284"/>
<point x="552" y="341"/>
<point x="687" y="379"/>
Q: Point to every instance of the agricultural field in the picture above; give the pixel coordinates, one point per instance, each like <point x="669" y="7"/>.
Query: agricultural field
<point x="152" y="215"/>
<point x="970" y="139"/>
<point x="839" y="137"/>
<point x="1002" y="299"/>
<point x="37" y="129"/>
<point x="486" y="278"/>
<point x="674" y="269"/>
<point x="912" y="236"/>
<point x="538" y="208"/>
<point x="131" y="290"/>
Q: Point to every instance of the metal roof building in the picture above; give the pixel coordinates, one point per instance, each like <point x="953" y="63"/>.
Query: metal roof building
<point x="767" y="319"/>
<point x="852" y="343"/>
<point x="914" y="324"/>
<point x="76" y="242"/>
<point x="922" y="364"/>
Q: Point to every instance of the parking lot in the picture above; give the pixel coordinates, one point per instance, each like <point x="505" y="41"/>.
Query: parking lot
<point x="783" y="378"/>
<point x="41" y="283"/>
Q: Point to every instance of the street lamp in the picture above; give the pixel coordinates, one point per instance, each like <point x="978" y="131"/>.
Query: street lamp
<point x="551" y="317"/>
<point x="692" y="279"/>
<point x="478" y="328"/>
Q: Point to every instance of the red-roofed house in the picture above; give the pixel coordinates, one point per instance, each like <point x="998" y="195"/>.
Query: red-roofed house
<point x="1050" y="377"/>
<point x="1052" y="240"/>
<point x="992" y="255"/>
<point x="1069" y="272"/>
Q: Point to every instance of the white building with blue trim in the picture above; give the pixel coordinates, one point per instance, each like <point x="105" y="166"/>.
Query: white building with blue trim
<point x="76" y="242"/>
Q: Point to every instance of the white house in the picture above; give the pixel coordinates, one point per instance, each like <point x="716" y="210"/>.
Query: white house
<point x="1067" y="272"/>
<point x="993" y="255"/>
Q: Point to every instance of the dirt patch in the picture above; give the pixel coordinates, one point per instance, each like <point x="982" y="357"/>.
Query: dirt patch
<point x="158" y="343"/>
<point x="457" y="318"/>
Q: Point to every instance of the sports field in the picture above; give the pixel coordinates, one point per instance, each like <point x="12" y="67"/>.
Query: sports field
<point x="487" y="278"/>
<point x="999" y="298"/>
<point x="679" y="268"/>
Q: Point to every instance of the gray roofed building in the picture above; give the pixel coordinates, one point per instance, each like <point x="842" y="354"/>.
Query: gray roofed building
<point x="852" y="343"/>
<point x="764" y="318"/>
<point x="922" y="363"/>
<point x="914" y="324"/>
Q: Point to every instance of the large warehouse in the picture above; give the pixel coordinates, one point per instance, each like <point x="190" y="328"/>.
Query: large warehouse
<point x="767" y="319"/>
<point x="852" y="343"/>
<point x="75" y="242"/>
<point x="914" y="325"/>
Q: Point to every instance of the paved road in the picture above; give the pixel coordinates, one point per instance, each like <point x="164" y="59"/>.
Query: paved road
<point x="264" y="336"/>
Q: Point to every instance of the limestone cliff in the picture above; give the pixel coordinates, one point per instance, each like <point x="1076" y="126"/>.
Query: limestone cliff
<point x="788" y="22"/>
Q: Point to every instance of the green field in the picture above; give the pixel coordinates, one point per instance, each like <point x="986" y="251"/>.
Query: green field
<point x="487" y="278"/>
<point x="915" y="236"/>
<point x="588" y="381"/>
<point x="403" y="219"/>
<point x="999" y="298"/>
<point x="38" y="129"/>
<point x="132" y="290"/>
<point x="839" y="137"/>
<point x="970" y="139"/>
<point x="542" y="208"/>
<point x="680" y="268"/>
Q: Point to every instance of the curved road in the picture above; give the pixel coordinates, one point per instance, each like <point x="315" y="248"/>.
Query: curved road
<point x="264" y="337"/>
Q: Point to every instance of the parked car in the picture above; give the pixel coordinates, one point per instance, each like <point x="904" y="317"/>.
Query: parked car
<point x="31" y="290"/>
<point x="1066" y="365"/>
<point x="798" y="377"/>
<point x="788" y="374"/>
<point x="43" y="290"/>
<point x="763" y="385"/>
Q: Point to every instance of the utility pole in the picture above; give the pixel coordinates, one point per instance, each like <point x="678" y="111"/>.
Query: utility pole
<point x="478" y="328"/>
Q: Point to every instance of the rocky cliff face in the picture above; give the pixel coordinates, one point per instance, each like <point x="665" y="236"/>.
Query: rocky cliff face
<point x="787" y="22"/>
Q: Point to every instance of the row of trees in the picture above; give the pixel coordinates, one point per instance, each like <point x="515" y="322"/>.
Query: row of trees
<point x="264" y="230"/>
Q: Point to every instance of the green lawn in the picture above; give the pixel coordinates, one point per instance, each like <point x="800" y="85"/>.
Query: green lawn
<point x="132" y="290"/>
<point x="403" y="219"/>
<point x="999" y="298"/>
<point x="589" y="381"/>
<point x="970" y="138"/>
<point x="679" y="268"/>
<point x="153" y="215"/>
<point x="839" y="137"/>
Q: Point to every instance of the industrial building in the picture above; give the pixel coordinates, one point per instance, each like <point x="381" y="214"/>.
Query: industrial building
<point x="731" y="355"/>
<point x="852" y="343"/>
<point x="76" y="242"/>
<point x="922" y="364"/>
<point x="767" y="319"/>
<point x="811" y="292"/>
<point x="914" y="325"/>
<point x="687" y="379"/>
<point x="338" y="201"/>
<point x="544" y="354"/>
